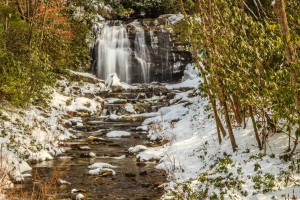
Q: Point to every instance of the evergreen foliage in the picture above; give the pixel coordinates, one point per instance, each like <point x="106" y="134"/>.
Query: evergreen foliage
<point x="38" y="45"/>
<point x="249" y="62"/>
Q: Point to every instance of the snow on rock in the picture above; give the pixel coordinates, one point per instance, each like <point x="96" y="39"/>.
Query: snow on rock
<point x="142" y="128"/>
<point x="190" y="79"/>
<point x="182" y="97"/>
<point x="99" y="171"/>
<point x="129" y="108"/>
<point x="115" y="101"/>
<point x="84" y="148"/>
<point x="147" y="115"/>
<point x="79" y="196"/>
<point x="99" y="168"/>
<point x="92" y="154"/>
<point x="176" y="18"/>
<point x="115" y="134"/>
<point x="190" y="83"/>
<point x="84" y="104"/>
<point x="190" y="72"/>
<point x="172" y="113"/>
<point x="119" y="157"/>
<point x="21" y="167"/>
<point x="74" y="191"/>
<point x="173" y="18"/>
<point x="75" y="120"/>
<point x="100" y="165"/>
<point x="83" y="74"/>
<point x="137" y="149"/>
<point x="112" y="81"/>
<point x="63" y="182"/>
<point x="155" y="153"/>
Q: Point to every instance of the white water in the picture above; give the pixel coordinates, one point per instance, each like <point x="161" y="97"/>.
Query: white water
<point x="114" y="53"/>
<point x="142" y="54"/>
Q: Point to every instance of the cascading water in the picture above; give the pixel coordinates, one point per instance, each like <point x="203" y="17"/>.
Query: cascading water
<point x="142" y="54"/>
<point x="113" y="52"/>
<point x="138" y="52"/>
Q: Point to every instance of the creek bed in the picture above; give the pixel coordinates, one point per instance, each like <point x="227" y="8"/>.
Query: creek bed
<point x="133" y="179"/>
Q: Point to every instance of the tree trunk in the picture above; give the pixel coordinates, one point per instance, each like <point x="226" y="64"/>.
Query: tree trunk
<point x="217" y="118"/>
<point x="255" y="128"/>
<point x="182" y="9"/>
<point x="236" y="109"/>
<point x="198" y="6"/>
<point x="6" y="19"/>
<point x="44" y="23"/>
<point x="244" y="118"/>
<point x="227" y="119"/>
<point x="295" y="146"/>
<point x="290" y="55"/>
<point x="219" y="124"/>
<point x="20" y="9"/>
<point x="264" y="131"/>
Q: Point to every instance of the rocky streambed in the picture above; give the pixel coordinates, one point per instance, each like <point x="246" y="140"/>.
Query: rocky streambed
<point x="69" y="176"/>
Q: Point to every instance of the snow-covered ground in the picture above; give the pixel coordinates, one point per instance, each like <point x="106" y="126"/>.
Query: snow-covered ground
<point x="36" y="134"/>
<point x="199" y="167"/>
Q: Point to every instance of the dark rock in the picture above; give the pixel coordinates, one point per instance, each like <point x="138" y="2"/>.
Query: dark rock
<point x="106" y="174"/>
<point x="129" y="174"/>
<point x="143" y="173"/>
<point x="146" y="185"/>
<point x="171" y="95"/>
<point x="114" y="145"/>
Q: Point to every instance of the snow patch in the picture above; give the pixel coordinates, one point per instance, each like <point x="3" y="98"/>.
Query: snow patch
<point x="115" y="134"/>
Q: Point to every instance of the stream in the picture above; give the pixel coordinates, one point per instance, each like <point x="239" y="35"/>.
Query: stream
<point x="133" y="179"/>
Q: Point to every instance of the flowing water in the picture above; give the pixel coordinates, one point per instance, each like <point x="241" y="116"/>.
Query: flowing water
<point x="142" y="54"/>
<point x="113" y="52"/>
<point x="133" y="179"/>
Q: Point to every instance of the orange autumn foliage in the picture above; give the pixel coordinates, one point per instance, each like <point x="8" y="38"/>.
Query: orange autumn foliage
<point x="53" y="20"/>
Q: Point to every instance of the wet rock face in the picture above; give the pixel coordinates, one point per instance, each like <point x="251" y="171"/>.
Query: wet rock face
<point x="166" y="57"/>
<point x="168" y="60"/>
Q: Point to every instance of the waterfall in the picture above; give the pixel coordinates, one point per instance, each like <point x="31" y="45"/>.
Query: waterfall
<point x="137" y="53"/>
<point x="113" y="52"/>
<point x="142" y="54"/>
